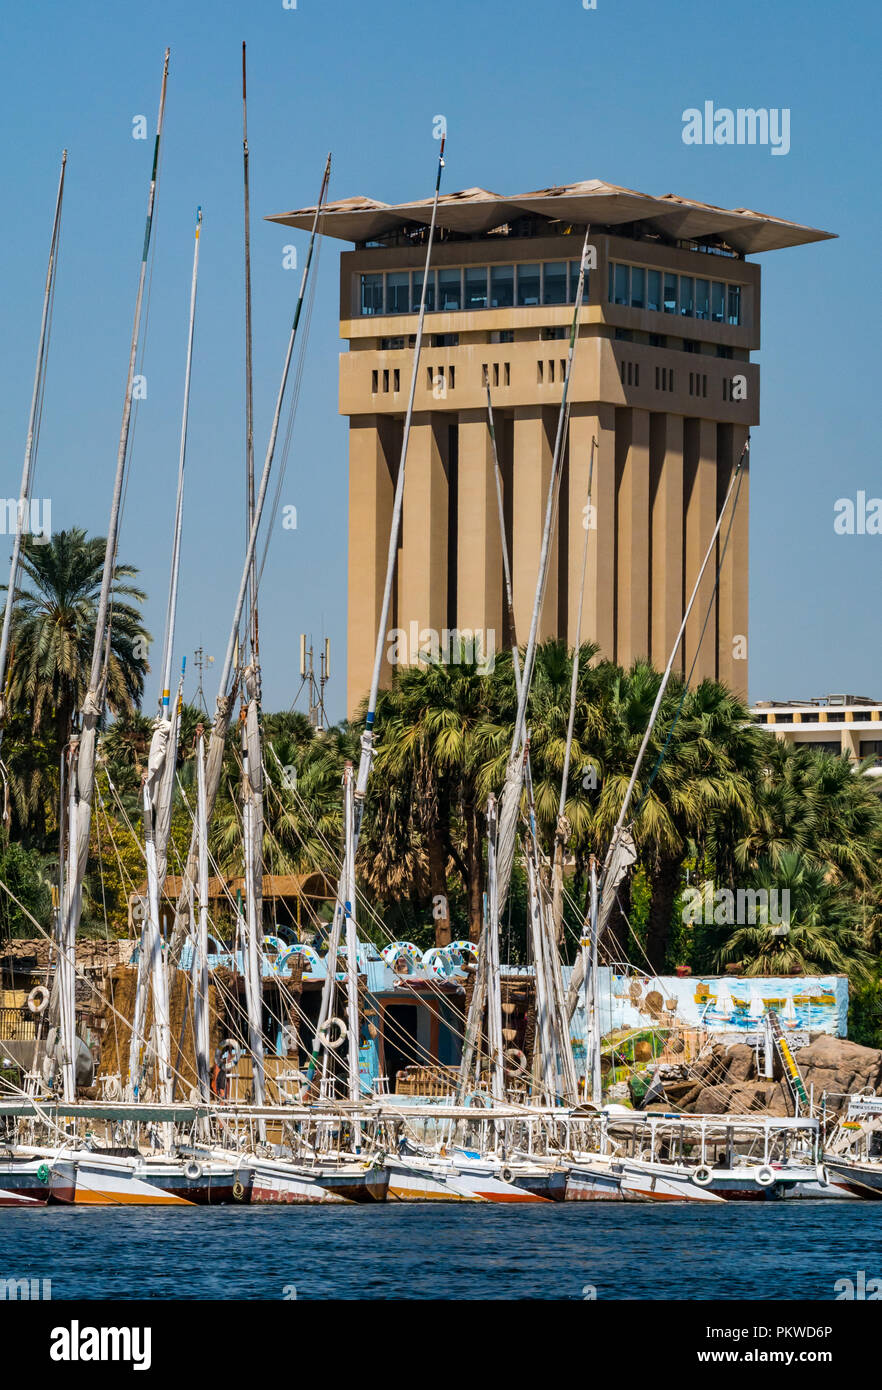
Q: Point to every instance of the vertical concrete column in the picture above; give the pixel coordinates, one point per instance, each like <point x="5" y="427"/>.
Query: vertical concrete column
<point x="371" y="468"/>
<point x="532" y="447"/>
<point x="700" y="495"/>
<point x="598" y="608"/>
<point x="666" y="523"/>
<point x="732" y="601"/>
<point x="422" y="563"/>
<point x="479" y="545"/>
<point x="632" y="559"/>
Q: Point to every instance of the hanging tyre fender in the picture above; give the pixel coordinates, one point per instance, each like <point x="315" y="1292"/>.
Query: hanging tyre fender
<point x="38" y="999"/>
<point x="507" y="1175"/>
<point x="764" y="1176"/>
<point x="323" y="1033"/>
<point x="822" y="1175"/>
<point x="702" y="1177"/>
<point x="193" y="1170"/>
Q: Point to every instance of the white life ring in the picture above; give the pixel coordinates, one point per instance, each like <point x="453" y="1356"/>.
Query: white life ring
<point x="764" y="1176"/>
<point x="323" y="1033"/>
<point x="702" y="1177"/>
<point x="517" y="1060"/>
<point x="290" y="1086"/>
<point x="193" y="1170"/>
<point x="229" y="1047"/>
<point x="38" y="999"/>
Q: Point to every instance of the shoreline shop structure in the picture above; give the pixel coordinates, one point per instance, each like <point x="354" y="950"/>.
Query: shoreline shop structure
<point x="664" y="382"/>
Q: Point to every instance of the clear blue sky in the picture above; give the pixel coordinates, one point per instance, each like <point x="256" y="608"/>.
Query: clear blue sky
<point x="533" y="94"/>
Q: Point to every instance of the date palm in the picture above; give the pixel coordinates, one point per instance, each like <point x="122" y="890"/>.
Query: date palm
<point x="429" y="750"/>
<point x="53" y="629"/>
<point x="822" y="936"/>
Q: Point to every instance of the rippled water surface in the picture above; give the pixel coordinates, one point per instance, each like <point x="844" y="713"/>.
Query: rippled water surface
<point x="737" y="1251"/>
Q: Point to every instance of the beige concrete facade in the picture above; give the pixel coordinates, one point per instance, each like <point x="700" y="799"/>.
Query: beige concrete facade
<point x="653" y="388"/>
<point x="849" y="725"/>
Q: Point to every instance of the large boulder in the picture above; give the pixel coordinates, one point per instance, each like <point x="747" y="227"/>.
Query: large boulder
<point x="743" y="1098"/>
<point x="740" y="1062"/>
<point x="839" y="1067"/>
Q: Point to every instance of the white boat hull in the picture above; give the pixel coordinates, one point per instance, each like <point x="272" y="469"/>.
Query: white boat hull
<point x="656" y="1182"/>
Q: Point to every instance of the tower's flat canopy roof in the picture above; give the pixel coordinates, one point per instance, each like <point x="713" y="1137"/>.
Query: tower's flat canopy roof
<point x="476" y="210"/>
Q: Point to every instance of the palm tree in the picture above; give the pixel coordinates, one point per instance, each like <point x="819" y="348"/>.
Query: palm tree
<point x="822" y="936"/>
<point x="705" y="778"/>
<point x="428" y="727"/>
<point x="816" y="804"/>
<point x="53" y="630"/>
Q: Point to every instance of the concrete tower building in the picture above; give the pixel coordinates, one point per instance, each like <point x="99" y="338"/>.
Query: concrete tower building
<point x="662" y="380"/>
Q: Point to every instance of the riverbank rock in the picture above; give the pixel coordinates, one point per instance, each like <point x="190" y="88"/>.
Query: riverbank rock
<point x="740" y="1062"/>
<point x="839" y="1067"/>
<point x="742" y="1098"/>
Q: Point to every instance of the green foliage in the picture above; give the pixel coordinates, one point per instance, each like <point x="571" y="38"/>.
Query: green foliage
<point x="26" y="874"/>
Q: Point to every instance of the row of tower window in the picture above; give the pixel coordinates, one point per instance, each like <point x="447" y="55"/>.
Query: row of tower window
<point x="548" y="282"/>
<point x="688" y="296"/>
<point x="440" y="380"/>
<point x="471" y="287"/>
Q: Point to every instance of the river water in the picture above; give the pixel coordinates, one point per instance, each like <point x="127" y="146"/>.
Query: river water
<point x="768" y="1250"/>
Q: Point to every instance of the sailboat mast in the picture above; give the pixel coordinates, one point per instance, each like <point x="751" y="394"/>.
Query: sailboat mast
<point x="494" y="1001"/>
<point x="663" y="685"/>
<point x="511" y="792"/>
<point x="563" y="829"/>
<point x="503" y="539"/>
<point x="30" y="446"/>
<point x="367" y="737"/>
<point x="225" y="696"/>
<point x="366" y="759"/>
<point x="352" y="1015"/>
<point x="577" y="641"/>
<point x="271" y="449"/>
<point x="592" y="1014"/>
<point x="249" y="384"/>
<point x="93" y="704"/>
<point x="113" y="528"/>
<point x="200" y="954"/>
<point x="158" y="787"/>
<point x="172" y="604"/>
